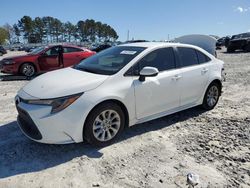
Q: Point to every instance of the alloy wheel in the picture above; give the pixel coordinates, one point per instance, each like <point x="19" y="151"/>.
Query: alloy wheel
<point x="106" y="125"/>
<point x="28" y="70"/>
<point x="212" y="96"/>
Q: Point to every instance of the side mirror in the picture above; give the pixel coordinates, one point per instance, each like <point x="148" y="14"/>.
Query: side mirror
<point x="43" y="55"/>
<point x="148" y="72"/>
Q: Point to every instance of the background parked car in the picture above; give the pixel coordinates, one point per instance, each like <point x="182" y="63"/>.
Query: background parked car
<point x="30" y="49"/>
<point x="44" y="59"/>
<point x="239" y="42"/>
<point x="2" y="51"/>
<point x="101" y="47"/>
<point x="220" y="42"/>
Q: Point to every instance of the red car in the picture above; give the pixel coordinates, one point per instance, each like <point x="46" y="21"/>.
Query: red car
<point x="44" y="59"/>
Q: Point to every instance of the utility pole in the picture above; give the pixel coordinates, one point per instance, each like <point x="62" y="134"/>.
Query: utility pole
<point x="128" y="36"/>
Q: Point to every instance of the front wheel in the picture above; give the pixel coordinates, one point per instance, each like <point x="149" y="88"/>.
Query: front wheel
<point x="247" y="48"/>
<point x="212" y="96"/>
<point x="27" y="69"/>
<point x="104" y="124"/>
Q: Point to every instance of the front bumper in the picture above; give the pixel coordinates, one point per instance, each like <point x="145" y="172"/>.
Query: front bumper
<point x="64" y="127"/>
<point x="11" y="69"/>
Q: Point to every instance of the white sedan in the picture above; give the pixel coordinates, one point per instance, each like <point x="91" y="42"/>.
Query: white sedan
<point x="119" y="87"/>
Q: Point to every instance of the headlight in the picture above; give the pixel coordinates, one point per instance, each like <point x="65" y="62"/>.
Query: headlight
<point x="57" y="104"/>
<point x="8" y="62"/>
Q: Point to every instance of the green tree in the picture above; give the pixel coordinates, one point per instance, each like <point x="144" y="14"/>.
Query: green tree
<point x="26" y="26"/>
<point x="17" y="32"/>
<point x="48" y="22"/>
<point x="56" y="28"/>
<point x="39" y="29"/>
<point x="82" y="30"/>
<point x="3" y="35"/>
<point x="69" y="29"/>
<point x="10" y="31"/>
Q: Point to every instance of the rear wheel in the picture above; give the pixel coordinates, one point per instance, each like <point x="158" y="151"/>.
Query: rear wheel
<point x="104" y="124"/>
<point x="212" y="96"/>
<point x="247" y="48"/>
<point x="28" y="69"/>
<point x="230" y="49"/>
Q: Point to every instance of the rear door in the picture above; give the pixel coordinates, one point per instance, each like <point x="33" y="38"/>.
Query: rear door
<point x="72" y="56"/>
<point x="50" y="59"/>
<point x="194" y="74"/>
<point x="161" y="93"/>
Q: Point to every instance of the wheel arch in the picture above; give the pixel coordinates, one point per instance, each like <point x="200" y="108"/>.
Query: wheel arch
<point x="218" y="81"/>
<point x="119" y="103"/>
<point x="29" y="62"/>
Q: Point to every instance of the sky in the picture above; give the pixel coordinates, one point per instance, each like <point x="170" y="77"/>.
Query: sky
<point x="145" y="19"/>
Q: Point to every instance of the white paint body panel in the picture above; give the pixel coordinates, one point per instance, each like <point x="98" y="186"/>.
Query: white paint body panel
<point x="154" y="98"/>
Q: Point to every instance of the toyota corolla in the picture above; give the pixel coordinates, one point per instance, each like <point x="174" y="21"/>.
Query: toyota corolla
<point x="116" y="88"/>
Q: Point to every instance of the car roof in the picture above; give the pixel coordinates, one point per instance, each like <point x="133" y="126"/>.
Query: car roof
<point x="156" y="44"/>
<point x="64" y="45"/>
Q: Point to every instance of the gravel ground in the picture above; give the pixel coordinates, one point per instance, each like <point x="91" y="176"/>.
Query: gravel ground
<point x="215" y="145"/>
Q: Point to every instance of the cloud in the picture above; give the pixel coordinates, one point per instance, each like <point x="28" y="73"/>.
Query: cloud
<point x="241" y="9"/>
<point x="220" y="23"/>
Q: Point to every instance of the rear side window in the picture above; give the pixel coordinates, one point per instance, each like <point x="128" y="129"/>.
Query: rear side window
<point x="70" y="50"/>
<point x="202" y="57"/>
<point x="188" y="56"/>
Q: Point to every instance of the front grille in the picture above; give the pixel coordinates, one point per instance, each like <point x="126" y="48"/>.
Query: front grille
<point x="27" y="125"/>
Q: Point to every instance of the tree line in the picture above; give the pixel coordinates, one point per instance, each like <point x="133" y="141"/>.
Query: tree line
<point x="49" y="30"/>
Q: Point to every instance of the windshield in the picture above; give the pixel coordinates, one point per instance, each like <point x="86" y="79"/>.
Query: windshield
<point x="110" y="61"/>
<point x="245" y="35"/>
<point x="37" y="50"/>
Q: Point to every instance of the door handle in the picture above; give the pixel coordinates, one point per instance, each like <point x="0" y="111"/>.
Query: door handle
<point x="205" y="70"/>
<point x="177" y="77"/>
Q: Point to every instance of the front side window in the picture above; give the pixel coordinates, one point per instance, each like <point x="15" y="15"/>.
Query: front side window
<point x="188" y="56"/>
<point x="163" y="59"/>
<point x="53" y="51"/>
<point x="110" y="61"/>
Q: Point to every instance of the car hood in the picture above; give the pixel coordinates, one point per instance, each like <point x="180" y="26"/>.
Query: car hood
<point x="19" y="56"/>
<point x="62" y="82"/>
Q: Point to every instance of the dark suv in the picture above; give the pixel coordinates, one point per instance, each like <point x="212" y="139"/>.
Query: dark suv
<point x="2" y="51"/>
<point x="239" y="42"/>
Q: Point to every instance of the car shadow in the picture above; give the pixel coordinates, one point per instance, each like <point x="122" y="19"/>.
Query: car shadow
<point x="20" y="155"/>
<point x="236" y="52"/>
<point x="14" y="78"/>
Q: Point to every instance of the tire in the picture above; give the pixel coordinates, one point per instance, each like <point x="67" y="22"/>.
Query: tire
<point x="28" y="69"/>
<point x="212" y="96"/>
<point x="230" y="49"/>
<point x="99" y="129"/>
<point x="247" y="48"/>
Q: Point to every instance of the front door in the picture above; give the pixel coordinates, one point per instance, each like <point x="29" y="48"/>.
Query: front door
<point x="161" y="93"/>
<point x="50" y="60"/>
